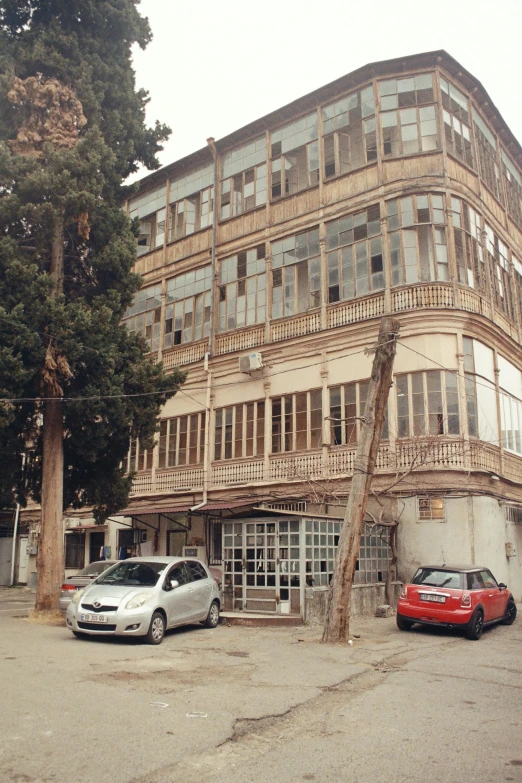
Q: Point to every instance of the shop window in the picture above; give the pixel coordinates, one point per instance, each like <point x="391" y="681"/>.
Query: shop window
<point x="349" y="133"/>
<point x="242" y="289"/>
<point x="187" y="314"/>
<point x="295" y="157"/>
<point x="355" y="255"/>
<point x="296" y="274"/>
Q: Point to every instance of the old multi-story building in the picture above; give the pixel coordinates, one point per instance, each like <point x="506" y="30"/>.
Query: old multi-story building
<point x="269" y="257"/>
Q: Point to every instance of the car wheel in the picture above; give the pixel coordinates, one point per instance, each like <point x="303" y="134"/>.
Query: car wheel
<point x="510" y="613"/>
<point x="475" y="625"/>
<point x="156" y="630"/>
<point x="212" y="616"/>
<point x="403" y="624"/>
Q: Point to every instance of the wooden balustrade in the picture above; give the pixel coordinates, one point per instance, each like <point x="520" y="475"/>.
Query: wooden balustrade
<point x="430" y="295"/>
<point x="240" y="341"/>
<point x="358" y="310"/>
<point x="179" y="479"/>
<point x="241" y="472"/>
<point x="193" y="352"/>
<point x="295" y="327"/>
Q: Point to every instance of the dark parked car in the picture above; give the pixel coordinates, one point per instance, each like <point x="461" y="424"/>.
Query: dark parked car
<point x="466" y="597"/>
<point x="82" y="579"/>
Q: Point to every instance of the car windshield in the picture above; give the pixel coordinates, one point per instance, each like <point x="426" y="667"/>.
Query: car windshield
<point x="132" y="573"/>
<point x="432" y="577"/>
<point x="95" y="569"/>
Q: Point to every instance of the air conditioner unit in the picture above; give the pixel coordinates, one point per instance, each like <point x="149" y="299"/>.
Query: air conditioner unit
<point x="195" y="551"/>
<point x="250" y="361"/>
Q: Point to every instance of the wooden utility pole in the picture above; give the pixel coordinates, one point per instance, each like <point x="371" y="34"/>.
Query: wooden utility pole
<point x="337" y="622"/>
<point x="50" y="549"/>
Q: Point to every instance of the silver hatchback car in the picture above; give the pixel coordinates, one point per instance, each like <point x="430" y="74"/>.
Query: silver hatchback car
<point x="143" y="596"/>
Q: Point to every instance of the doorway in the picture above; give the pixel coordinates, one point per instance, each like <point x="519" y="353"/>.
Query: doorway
<point x="262" y="565"/>
<point x="96" y="544"/>
<point x="23" y="559"/>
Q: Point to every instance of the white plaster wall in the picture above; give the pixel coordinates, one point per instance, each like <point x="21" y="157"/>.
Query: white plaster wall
<point x="431" y="541"/>
<point x="492" y="532"/>
<point x="475" y="532"/>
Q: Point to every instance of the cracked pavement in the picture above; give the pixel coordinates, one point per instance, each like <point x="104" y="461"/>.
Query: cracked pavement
<point x="258" y="704"/>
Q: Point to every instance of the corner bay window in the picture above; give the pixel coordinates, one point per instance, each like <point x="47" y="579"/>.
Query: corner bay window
<point x="355" y="259"/>
<point x="406" y="131"/>
<point x="456" y="122"/>
<point x="349" y="133"/>
<point x="242" y="289"/>
<point x="295" y="156"/>
<point x="296" y="275"/>
<point x="487" y="155"/>
<point x="427" y="404"/>
<point x="182" y="440"/>
<point x="297" y="421"/>
<point x="513" y="186"/>
<point x="418" y="252"/>
<point x="240" y="431"/>
<point x="187" y="314"/>
<point x="498" y="263"/>
<point x="468" y="248"/>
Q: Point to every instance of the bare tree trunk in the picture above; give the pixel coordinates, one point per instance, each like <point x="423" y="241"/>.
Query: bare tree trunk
<point x="50" y="560"/>
<point x="337" y="622"/>
<point x="50" y="551"/>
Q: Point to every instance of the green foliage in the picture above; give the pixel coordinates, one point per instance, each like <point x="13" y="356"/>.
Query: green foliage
<point x="85" y="45"/>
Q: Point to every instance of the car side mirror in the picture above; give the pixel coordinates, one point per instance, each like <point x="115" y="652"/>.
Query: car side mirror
<point x="173" y="584"/>
<point x="502" y="586"/>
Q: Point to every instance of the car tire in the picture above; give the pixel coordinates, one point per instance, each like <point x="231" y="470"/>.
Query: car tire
<point x="212" y="618"/>
<point x="79" y="635"/>
<point x="156" y="630"/>
<point x="403" y="624"/>
<point x="475" y="625"/>
<point x="510" y="613"/>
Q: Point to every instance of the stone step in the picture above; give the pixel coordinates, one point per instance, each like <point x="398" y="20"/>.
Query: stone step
<point x="260" y="620"/>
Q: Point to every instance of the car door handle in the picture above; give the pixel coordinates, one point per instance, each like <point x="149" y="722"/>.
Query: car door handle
<point x="490" y="595"/>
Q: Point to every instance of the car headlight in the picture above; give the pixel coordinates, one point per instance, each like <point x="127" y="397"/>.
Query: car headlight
<point x="138" y="600"/>
<point x="76" y="597"/>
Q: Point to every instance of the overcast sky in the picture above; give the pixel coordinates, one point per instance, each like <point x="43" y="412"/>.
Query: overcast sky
<point x="214" y="66"/>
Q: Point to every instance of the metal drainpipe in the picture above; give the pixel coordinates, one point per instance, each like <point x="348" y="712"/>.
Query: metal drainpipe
<point x="15" y="531"/>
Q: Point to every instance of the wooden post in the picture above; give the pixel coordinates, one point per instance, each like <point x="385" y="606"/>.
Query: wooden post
<point x="337" y="622"/>
<point x="50" y="560"/>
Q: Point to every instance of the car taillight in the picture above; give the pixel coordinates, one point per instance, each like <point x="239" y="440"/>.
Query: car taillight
<point x="404" y="591"/>
<point x="68" y="587"/>
<point x="466" y="599"/>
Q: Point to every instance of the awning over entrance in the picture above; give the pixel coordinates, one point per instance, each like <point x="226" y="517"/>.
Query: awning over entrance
<point x="212" y="507"/>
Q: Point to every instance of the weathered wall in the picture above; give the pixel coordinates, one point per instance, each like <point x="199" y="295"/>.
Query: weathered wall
<point x="365" y="600"/>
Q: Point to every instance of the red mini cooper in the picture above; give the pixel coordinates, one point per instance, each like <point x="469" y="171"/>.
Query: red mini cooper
<point x="466" y="597"/>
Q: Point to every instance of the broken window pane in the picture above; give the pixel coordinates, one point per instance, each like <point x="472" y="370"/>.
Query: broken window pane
<point x="349" y="138"/>
<point x="296" y="278"/>
<point x="143" y="317"/>
<point x="242" y="290"/>
<point x="187" y="314"/>
<point x="295" y="156"/>
<point x="354" y="267"/>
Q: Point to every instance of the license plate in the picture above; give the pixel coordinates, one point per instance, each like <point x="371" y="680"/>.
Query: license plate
<point x="438" y="599"/>
<point x="94" y="618"/>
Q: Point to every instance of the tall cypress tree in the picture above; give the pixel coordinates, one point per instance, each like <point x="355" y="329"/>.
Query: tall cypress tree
<point x="72" y="128"/>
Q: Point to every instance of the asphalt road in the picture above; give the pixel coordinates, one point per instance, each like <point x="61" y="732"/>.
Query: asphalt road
<point x="258" y="705"/>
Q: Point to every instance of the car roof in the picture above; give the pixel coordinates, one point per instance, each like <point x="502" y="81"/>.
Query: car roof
<point x="463" y="568"/>
<point x="154" y="559"/>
